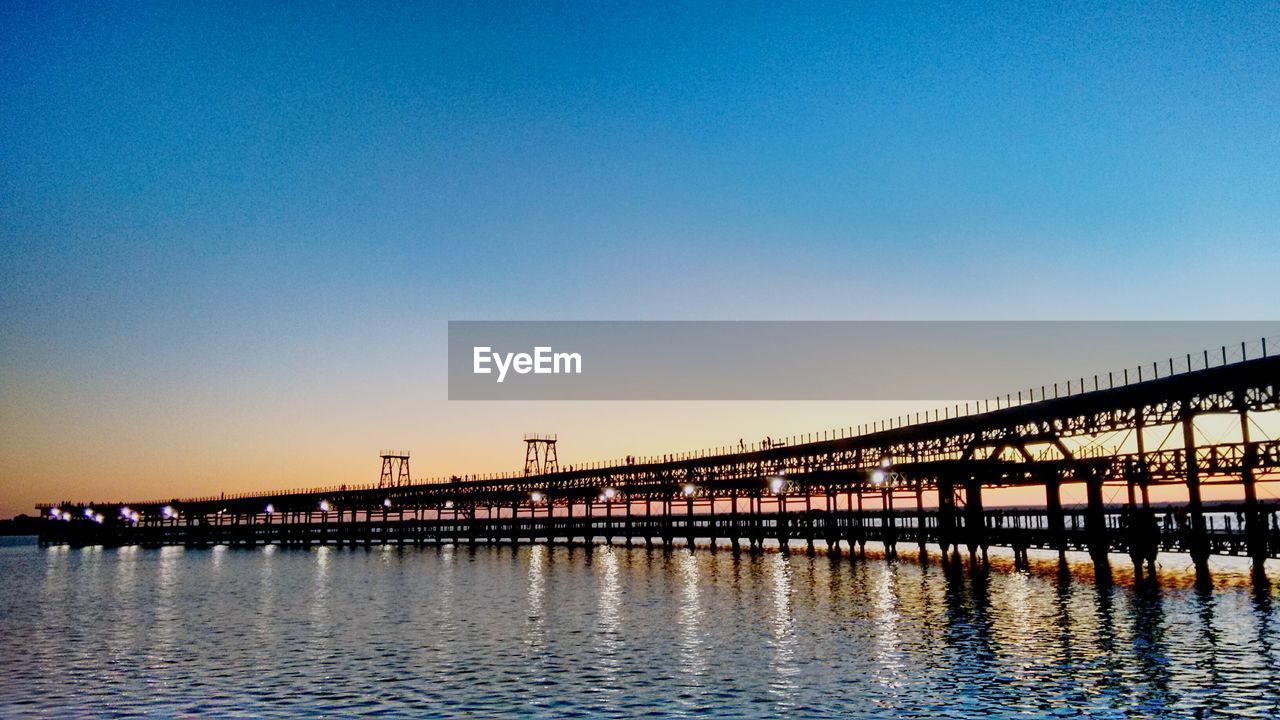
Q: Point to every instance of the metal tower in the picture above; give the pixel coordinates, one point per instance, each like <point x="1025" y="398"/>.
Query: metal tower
<point x="395" y="468"/>
<point x="540" y="454"/>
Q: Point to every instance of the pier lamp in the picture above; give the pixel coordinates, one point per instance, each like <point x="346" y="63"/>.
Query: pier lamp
<point x="270" y="508"/>
<point x="386" y="502"/>
<point x="66" y="515"/>
<point x="88" y="512"/>
<point x="609" y="493"/>
<point x="124" y="511"/>
<point x="535" y="496"/>
<point x="449" y="503"/>
<point x="877" y="477"/>
<point x="168" y="511"/>
<point x="884" y="462"/>
<point x="97" y="517"/>
<point x="134" y="516"/>
<point x="688" y="490"/>
<point x="324" y="506"/>
<point x="55" y="513"/>
<point x="777" y="484"/>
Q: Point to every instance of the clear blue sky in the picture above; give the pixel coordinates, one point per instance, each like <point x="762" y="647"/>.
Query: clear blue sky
<point x="201" y="205"/>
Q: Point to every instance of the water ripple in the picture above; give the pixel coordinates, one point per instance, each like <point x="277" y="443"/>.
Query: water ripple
<point x="609" y="632"/>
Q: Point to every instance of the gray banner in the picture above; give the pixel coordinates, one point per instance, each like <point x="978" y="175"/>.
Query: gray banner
<point x="828" y="360"/>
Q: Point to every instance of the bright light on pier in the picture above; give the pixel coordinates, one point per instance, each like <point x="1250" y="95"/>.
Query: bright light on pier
<point x="270" y="508"/>
<point x="609" y="493"/>
<point x="324" y="506"/>
<point x="386" y="502"/>
<point x="168" y="511"/>
<point x="688" y="490"/>
<point x="535" y="496"/>
<point x="877" y="477"/>
<point x="777" y="484"/>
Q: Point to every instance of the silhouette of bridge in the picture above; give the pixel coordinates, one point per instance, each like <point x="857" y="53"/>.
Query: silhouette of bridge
<point x="912" y="482"/>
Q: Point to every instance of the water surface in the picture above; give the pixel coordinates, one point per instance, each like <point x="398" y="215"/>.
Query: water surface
<point x="609" y="632"/>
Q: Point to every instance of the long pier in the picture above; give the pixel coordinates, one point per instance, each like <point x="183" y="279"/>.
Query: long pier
<point x="916" y="483"/>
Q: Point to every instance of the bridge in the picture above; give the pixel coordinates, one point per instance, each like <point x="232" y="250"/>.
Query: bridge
<point x="914" y="481"/>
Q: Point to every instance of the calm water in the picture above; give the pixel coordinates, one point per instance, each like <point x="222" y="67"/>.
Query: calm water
<point x="555" y="632"/>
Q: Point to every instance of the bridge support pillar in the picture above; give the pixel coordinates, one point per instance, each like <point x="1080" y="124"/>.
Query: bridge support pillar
<point x="689" y="524"/>
<point x="1198" y="539"/>
<point x="782" y="529"/>
<point x="1020" y="559"/>
<point x="1144" y="531"/>
<point x="1255" y="521"/>
<point x="889" y="531"/>
<point x="975" y="521"/>
<point x="1053" y="513"/>
<point x="920" y="523"/>
<point x="733" y="522"/>
<point x="829" y="526"/>
<point x="860" y="534"/>
<point x="1133" y="528"/>
<point x="648" y="522"/>
<point x="1096" y="527"/>
<point x="947" y="517"/>
<point x="755" y="535"/>
<point x="715" y="523"/>
<point x="627" y="495"/>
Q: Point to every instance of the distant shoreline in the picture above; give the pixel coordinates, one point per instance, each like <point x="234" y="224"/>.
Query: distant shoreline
<point x="20" y="525"/>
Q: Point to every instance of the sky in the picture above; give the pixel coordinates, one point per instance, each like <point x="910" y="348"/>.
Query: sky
<point x="231" y="236"/>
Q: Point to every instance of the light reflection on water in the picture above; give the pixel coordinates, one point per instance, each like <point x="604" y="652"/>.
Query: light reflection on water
<point x="782" y="660"/>
<point x="692" y="622"/>
<point x="538" y="673"/>
<point x="888" y="626"/>
<point x="608" y="648"/>
<point x="610" y="632"/>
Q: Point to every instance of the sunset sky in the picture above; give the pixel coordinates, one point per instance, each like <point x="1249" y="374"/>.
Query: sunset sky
<point x="231" y="235"/>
